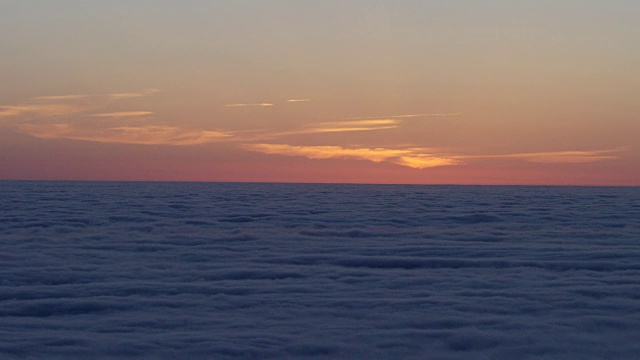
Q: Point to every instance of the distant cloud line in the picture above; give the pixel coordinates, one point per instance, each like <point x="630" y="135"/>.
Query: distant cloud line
<point x="48" y="117"/>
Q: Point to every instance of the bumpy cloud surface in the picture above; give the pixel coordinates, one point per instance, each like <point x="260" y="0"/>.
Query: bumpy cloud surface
<point x="193" y="270"/>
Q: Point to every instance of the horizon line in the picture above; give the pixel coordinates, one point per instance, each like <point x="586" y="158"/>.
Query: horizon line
<point x="315" y="183"/>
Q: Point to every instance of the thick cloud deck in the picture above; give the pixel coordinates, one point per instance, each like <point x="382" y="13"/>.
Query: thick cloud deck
<point x="178" y="270"/>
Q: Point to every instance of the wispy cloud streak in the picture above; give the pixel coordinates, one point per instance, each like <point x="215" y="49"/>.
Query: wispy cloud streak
<point x="122" y="114"/>
<point x="64" y="117"/>
<point x="144" y="135"/>
<point x="113" y="96"/>
<point x="416" y="158"/>
<point x="250" y="105"/>
<point x="404" y="116"/>
<point x="559" y="157"/>
<point x="343" y="126"/>
<point x="422" y="158"/>
<point x="334" y="127"/>
<point x="59" y="105"/>
<point x="298" y="100"/>
<point x="41" y="110"/>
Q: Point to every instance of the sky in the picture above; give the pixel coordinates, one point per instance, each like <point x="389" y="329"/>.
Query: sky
<point x="422" y="92"/>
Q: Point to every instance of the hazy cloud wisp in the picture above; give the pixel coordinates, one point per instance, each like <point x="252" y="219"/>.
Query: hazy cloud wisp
<point x="337" y="126"/>
<point x="145" y="135"/>
<point x="558" y="157"/>
<point x="416" y="158"/>
<point x="121" y="114"/>
<point x="405" y="116"/>
<point x="61" y="117"/>
<point x="250" y="105"/>
<point x="422" y="158"/>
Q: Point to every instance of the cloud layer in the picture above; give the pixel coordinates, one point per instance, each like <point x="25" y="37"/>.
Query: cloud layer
<point x="206" y="270"/>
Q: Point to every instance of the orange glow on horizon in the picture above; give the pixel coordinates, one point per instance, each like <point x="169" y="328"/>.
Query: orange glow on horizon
<point x="290" y="92"/>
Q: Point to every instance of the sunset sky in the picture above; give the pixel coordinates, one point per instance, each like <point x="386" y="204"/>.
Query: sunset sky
<point x="414" y="91"/>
